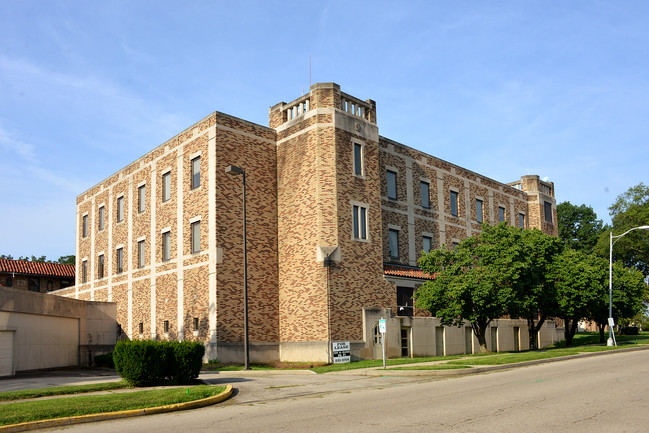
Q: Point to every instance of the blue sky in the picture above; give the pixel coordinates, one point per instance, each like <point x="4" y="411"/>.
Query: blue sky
<point x="504" y="88"/>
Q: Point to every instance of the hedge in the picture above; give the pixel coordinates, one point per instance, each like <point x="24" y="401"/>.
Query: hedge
<point x="148" y="363"/>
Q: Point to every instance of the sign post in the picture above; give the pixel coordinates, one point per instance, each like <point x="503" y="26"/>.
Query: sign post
<point x="382" y="332"/>
<point x="611" y="324"/>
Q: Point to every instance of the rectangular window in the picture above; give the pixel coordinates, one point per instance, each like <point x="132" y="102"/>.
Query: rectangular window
<point x="141" y="328"/>
<point x="84" y="271"/>
<point x="425" y="194"/>
<point x="547" y="210"/>
<point x="166" y="246"/>
<point x="141" y="198"/>
<point x="196" y="172"/>
<point x="102" y="218"/>
<point x="521" y="220"/>
<point x="84" y="224"/>
<point x="454" y="203"/>
<point x="140" y="254"/>
<point x="392" y="185"/>
<point x="427" y="243"/>
<point x="358" y="159"/>
<point x="404" y="301"/>
<point x="100" y="266"/>
<point x="166" y="186"/>
<point x="196" y="236"/>
<point x="195" y="323"/>
<point x="360" y="222"/>
<point x="393" y="241"/>
<point x="120" y="209"/>
<point x="478" y="210"/>
<point x="501" y="213"/>
<point x="166" y="326"/>
<point x="120" y="260"/>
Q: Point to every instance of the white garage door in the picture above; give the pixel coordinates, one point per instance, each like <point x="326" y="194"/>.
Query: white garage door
<point x="6" y="353"/>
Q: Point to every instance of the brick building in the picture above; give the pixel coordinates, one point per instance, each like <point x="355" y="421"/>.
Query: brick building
<point x="35" y="276"/>
<point x="337" y="218"/>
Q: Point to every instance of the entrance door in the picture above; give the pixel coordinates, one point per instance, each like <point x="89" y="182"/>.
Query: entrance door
<point x="6" y="353"/>
<point x="439" y="341"/>
<point x="516" y="339"/>
<point x="468" y="341"/>
<point x="405" y="342"/>
<point x="494" y="339"/>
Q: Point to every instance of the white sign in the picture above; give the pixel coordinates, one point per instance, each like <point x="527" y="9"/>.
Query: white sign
<point x="611" y="322"/>
<point x="382" y="326"/>
<point x="341" y="352"/>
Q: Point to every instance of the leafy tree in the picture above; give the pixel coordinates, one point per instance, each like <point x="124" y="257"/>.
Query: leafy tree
<point x="8" y="257"/>
<point x="631" y="209"/>
<point x="535" y="297"/>
<point x="578" y="279"/>
<point x="629" y="295"/>
<point x="579" y="227"/>
<point x="473" y="282"/>
<point x="67" y="260"/>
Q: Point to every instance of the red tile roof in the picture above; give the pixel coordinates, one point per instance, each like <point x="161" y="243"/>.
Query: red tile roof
<point x="36" y="268"/>
<point x="406" y="271"/>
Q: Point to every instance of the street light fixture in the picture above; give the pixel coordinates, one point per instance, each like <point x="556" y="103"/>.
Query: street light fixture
<point x="234" y="170"/>
<point x="610" y="281"/>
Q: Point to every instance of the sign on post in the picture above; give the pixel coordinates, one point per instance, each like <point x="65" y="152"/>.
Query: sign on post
<point x="341" y="352"/>
<point x="382" y="332"/>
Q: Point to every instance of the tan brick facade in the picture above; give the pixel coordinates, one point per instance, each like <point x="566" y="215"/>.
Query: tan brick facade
<point x="318" y="223"/>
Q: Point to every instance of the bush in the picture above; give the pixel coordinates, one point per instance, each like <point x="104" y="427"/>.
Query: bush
<point x="629" y="330"/>
<point x="105" y="360"/>
<point x="147" y="363"/>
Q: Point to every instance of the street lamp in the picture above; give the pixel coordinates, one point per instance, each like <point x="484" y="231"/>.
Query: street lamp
<point x="234" y="170"/>
<point x="610" y="281"/>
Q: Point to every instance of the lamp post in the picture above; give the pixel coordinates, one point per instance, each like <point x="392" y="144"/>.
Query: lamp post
<point x="610" y="280"/>
<point x="234" y="170"/>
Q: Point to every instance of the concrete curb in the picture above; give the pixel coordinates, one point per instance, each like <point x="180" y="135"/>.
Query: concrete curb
<point x="378" y="371"/>
<point x="59" y="422"/>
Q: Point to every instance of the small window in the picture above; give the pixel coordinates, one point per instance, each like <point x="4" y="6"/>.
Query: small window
<point x="454" y="203"/>
<point x="166" y="246"/>
<point x="50" y="285"/>
<point x="166" y="186"/>
<point x="100" y="266"/>
<point x="141" y="328"/>
<point x="140" y="254"/>
<point x="102" y="218"/>
<point x="196" y="236"/>
<point x="65" y="283"/>
<point x="393" y="241"/>
<point x="360" y="222"/>
<point x="9" y="282"/>
<point x="84" y="271"/>
<point x="358" y="159"/>
<point x="478" y="210"/>
<point x="141" y="198"/>
<point x="404" y="301"/>
<point x="521" y="220"/>
<point x="547" y="210"/>
<point x="195" y="323"/>
<point x="166" y="326"/>
<point x="196" y="172"/>
<point x="427" y="243"/>
<point x="392" y="185"/>
<point x="34" y="285"/>
<point x="84" y="229"/>
<point x="425" y="194"/>
<point x="120" y="260"/>
<point x="501" y="213"/>
<point x="120" y="209"/>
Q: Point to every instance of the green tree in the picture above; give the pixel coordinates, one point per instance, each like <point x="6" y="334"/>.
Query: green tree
<point x="473" y="282"/>
<point x="630" y="209"/>
<point x="629" y="295"/>
<point x="8" y="256"/>
<point x="535" y="297"/>
<point x="579" y="227"/>
<point x="67" y="260"/>
<point x="578" y="279"/>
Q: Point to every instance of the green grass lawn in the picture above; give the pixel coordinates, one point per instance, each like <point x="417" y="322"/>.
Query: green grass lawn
<point x="61" y="390"/>
<point x="14" y="413"/>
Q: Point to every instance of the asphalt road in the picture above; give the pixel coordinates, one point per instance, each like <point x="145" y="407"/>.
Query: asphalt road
<point x="603" y="393"/>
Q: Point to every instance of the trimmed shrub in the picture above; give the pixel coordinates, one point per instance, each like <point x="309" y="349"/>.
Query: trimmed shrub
<point x="629" y="330"/>
<point x="148" y="363"/>
<point x="105" y="360"/>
